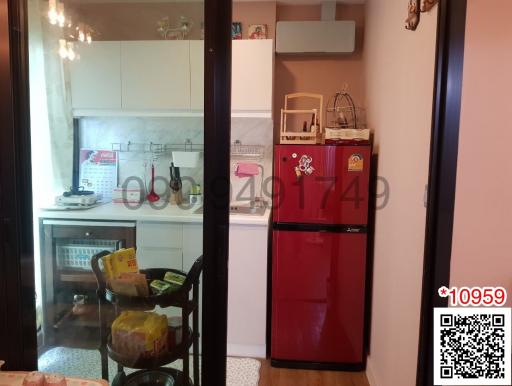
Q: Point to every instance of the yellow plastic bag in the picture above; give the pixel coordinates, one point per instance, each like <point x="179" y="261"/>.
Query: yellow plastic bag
<point x="121" y="261"/>
<point x="139" y="334"/>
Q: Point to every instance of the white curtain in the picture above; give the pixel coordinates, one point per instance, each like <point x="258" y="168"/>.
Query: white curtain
<point x="50" y="107"/>
<point x="50" y="120"/>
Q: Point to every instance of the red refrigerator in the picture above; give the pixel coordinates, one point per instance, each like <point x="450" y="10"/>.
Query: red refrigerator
<point x="319" y="255"/>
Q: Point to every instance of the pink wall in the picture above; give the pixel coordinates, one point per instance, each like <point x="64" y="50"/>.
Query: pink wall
<point x="135" y="21"/>
<point x="248" y="12"/>
<point x="482" y="241"/>
<point x="399" y="89"/>
<point x="319" y="74"/>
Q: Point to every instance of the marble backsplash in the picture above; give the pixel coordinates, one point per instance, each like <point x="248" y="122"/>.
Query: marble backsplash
<point x="100" y="133"/>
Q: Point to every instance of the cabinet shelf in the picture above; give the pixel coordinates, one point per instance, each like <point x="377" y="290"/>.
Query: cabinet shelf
<point x="76" y="276"/>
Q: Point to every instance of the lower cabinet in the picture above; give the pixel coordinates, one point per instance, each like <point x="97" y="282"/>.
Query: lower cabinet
<point x="169" y="245"/>
<point x="159" y="245"/>
<point x="247" y="290"/>
<point x="68" y="283"/>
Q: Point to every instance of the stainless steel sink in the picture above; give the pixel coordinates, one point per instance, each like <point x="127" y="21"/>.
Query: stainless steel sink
<point x="249" y="209"/>
<point x="242" y="208"/>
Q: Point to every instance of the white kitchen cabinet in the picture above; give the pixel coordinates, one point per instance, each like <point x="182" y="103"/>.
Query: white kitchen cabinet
<point x="166" y="78"/>
<point x="192" y="244"/>
<point x="192" y="249"/>
<point x="197" y="74"/>
<point x="155" y="75"/>
<point x="252" y="75"/>
<point x="159" y="245"/>
<point x="96" y="76"/>
<point x="247" y="290"/>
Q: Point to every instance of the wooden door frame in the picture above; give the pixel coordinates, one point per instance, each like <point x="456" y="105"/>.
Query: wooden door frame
<point x="17" y="250"/>
<point x="451" y="30"/>
<point x="217" y="138"/>
<point x="16" y="190"/>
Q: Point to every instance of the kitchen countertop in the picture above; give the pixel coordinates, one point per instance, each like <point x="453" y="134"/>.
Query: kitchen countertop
<point x="169" y="213"/>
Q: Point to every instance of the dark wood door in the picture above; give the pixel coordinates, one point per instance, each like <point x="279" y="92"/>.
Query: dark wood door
<point x="16" y="249"/>
<point x="17" y="293"/>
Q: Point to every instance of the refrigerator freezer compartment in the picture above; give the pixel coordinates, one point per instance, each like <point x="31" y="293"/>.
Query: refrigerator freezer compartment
<point x="321" y="184"/>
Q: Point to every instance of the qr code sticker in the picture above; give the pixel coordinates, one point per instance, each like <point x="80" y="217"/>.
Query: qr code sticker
<point x="472" y="345"/>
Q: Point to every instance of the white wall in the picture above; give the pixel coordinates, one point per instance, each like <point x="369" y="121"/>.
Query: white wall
<point x="399" y="89"/>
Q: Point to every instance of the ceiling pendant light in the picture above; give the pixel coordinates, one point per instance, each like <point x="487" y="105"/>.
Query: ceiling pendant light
<point x="71" y="51"/>
<point x="52" y="12"/>
<point x="61" y="17"/>
<point x="81" y="33"/>
<point x="63" y="50"/>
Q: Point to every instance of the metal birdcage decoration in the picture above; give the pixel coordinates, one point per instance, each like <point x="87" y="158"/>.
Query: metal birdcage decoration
<point x="344" y="120"/>
<point x="342" y="112"/>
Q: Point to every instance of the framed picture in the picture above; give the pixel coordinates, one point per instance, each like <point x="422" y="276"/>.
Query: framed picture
<point x="258" y="31"/>
<point x="236" y="30"/>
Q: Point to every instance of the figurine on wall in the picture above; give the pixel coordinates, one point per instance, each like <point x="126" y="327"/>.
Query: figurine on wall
<point x="412" y="21"/>
<point x="415" y="7"/>
<point x="427" y="5"/>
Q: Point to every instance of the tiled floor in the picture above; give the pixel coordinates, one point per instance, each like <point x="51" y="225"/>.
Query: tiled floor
<point x="270" y="376"/>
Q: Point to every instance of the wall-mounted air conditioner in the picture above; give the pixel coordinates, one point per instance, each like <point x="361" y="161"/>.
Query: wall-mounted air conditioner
<point x="315" y="37"/>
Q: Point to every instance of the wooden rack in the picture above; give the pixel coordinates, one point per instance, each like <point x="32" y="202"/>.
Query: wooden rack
<point x="302" y="137"/>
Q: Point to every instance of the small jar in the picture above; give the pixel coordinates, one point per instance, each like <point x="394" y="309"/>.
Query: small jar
<point x="175" y="331"/>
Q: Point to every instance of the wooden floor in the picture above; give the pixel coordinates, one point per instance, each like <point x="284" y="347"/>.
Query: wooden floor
<point x="271" y="376"/>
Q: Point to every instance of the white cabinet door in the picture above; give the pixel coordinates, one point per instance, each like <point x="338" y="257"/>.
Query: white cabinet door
<point x="197" y="74"/>
<point x="247" y="290"/>
<point x="96" y="76"/>
<point x="251" y="88"/>
<point x="148" y="257"/>
<point x="192" y="244"/>
<point x="159" y="245"/>
<point x="155" y="75"/>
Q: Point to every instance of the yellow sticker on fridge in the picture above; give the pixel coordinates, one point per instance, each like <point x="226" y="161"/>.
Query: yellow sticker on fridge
<point x="355" y="163"/>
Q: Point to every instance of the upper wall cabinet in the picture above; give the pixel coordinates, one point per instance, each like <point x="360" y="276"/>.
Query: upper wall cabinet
<point x="166" y="78"/>
<point x="96" y="77"/>
<point x="251" y="84"/>
<point x="155" y="75"/>
<point x="197" y="74"/>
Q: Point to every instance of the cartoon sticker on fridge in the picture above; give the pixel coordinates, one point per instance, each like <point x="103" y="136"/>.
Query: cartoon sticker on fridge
<point x="304" y="166"/>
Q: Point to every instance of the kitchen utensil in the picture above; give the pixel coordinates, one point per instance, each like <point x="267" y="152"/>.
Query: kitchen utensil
<point x="152" y="196"/>
<point x="175" y="183"/>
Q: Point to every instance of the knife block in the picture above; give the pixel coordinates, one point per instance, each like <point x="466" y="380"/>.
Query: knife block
<point x="176" y="198"/>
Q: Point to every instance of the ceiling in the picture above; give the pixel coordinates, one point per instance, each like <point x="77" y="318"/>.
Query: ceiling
<point x="288" y="2"/>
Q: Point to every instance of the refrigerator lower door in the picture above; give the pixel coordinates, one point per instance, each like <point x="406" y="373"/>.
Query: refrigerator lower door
<point x="318" y="292"/>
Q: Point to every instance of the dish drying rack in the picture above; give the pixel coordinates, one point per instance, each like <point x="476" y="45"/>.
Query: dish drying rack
<point x="248" y="152"/>
<point x="156" y="148"/>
